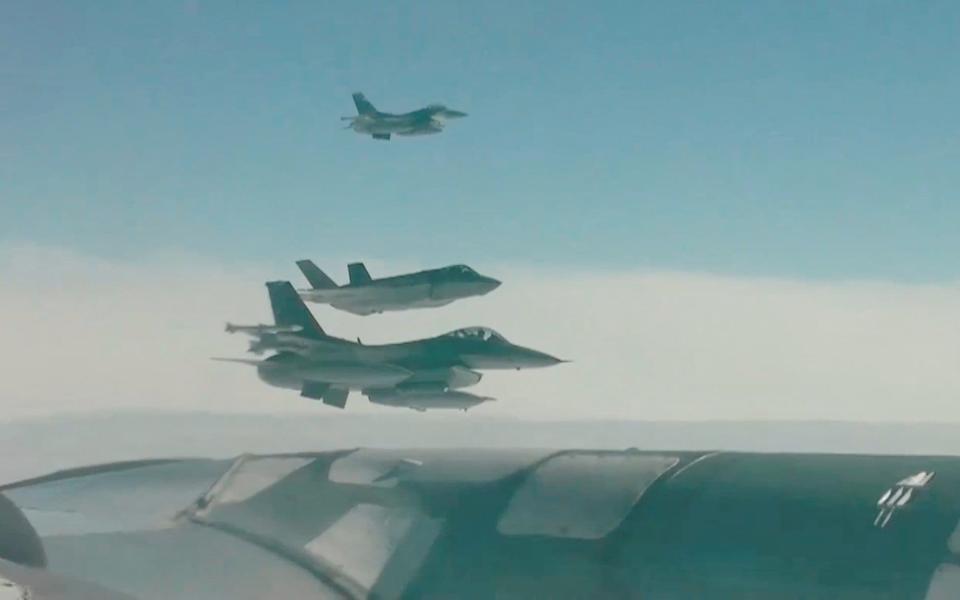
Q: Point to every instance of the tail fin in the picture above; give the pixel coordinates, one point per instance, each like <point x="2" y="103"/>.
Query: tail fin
<point x="363" y="105"/>
<point x="318" y="279"/>
<point x="358" y="273"/>
<point x="289" y="309"/>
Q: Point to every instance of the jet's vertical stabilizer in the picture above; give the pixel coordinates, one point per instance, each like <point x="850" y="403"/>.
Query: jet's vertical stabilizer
<point x="289" y="309"/>
<point x="358" y="273"/>
<point x="318" y="279"/>
<point x="363" y="105"/>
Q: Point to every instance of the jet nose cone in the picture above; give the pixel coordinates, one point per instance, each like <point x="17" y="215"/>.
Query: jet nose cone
<point x="537" y="359"/>
<point x="454" y="114"/>
<point x="489" y="284"/>
<point x="549" y="361"/>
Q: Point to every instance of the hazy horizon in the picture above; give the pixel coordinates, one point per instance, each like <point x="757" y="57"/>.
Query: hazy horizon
<point x="63" y="442"/>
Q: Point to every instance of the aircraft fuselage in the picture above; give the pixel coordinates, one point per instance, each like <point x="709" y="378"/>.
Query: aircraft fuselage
<point x="393" y="294"/>
<point x="414" y="123"/>
<point x="433" y="353"/>
<point x="425" y="373"/>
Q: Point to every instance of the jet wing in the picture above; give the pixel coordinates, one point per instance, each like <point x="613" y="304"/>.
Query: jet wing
<point x="425" y="128"/>
<point x="409" y="523"/>
<point x="23" y="583"/>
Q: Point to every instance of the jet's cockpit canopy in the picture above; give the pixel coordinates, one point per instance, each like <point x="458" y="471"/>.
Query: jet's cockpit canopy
<point x="461" y="270"/>
<point x="477" y="333"/>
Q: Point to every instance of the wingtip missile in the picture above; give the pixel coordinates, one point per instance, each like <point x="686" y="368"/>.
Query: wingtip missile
<point x="243" y="361"/>
<point x="262" y="329"/>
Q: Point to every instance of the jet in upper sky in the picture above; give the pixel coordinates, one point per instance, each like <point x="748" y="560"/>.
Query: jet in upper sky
<point x="421" y="374"/>
<point x="380" y="125"/>
<point x="365" y="295"/>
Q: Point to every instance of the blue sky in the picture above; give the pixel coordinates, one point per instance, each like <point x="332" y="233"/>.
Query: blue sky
<point x="810" y="140"/>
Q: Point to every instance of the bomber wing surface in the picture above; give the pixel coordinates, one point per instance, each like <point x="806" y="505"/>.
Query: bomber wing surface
<point x="462" y="523"/>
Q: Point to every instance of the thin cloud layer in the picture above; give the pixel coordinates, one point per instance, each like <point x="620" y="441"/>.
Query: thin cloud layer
<point x="87" y="334"/>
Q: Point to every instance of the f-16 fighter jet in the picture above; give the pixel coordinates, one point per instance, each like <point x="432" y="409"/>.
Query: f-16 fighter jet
<point x="365" y="295"/>
<point x="380" y="125"/>
<point x="421" y="374"/>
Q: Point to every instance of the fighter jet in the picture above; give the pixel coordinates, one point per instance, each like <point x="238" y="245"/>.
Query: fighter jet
<point x="380" y="125"/>
<point x="420" y="374"/>
<point x="365" y="295"/>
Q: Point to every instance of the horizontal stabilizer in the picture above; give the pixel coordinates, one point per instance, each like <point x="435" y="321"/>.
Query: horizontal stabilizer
<point x="358" y="273"/>
<point x="314" y="390"/>
<point x="328" y="394"/>
<point x="336" y="397"/>
<point x="318" y="279"/>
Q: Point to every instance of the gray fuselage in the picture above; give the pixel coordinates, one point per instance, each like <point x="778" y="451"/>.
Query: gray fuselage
<point x="425" y="289"/>
<point x="444" y="362"/>
<point x="425" y="121"/>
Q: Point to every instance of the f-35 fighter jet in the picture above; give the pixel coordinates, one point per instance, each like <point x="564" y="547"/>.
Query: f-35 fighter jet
<point x="365" y="295"/>
<point x="420" y="374"/>
<point x="380" y="125"/>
